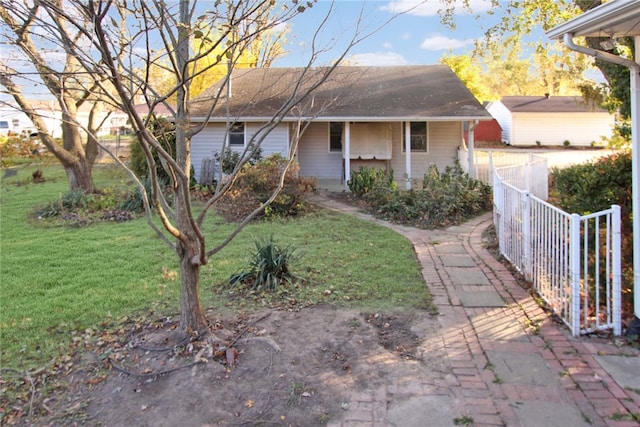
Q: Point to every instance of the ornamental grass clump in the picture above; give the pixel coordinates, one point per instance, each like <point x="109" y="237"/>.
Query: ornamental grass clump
<point x="268" y="268"/>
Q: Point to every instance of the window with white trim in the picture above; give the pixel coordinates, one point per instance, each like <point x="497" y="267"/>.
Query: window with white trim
<point x="419" y="132"/>
<point x="236" y="135"/>
<point x="336" y="130"/>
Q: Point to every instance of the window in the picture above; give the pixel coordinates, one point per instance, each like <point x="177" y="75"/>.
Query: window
<point x="236" y="134"/>
<point x="4" y="125"/>
<point x="418" y="136"/>
<point x="335" y="136"/>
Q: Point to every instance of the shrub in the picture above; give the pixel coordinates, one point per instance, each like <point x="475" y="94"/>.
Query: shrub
<point x="444" y="199"/>
<point x="108" y="204"/>
<point x="595" y="186"/>
<point x="134" y="201"/>
<point x="71" y="201"/>
<point x="367" y="178"/>
<point x="268" y="268"/>
<point x="165" y="133"/>
<point x="255" y="185"/>
<point x="229" y="158"/>
<point x="20" y="146"/>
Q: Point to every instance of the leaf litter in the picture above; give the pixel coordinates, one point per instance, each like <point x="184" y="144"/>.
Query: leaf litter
<point x="290" y="368"/>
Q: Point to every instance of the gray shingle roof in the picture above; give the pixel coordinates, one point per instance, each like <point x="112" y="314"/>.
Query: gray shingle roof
<point x="552" y="104"/>
<point x="358" y="93"/>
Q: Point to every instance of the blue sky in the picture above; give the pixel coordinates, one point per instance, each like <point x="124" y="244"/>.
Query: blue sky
<point x="415" y="37"/>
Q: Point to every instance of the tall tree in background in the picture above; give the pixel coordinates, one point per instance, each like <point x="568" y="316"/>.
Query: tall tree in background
<point x="212" y="65"/>
<point x="163" y="34"/>
<point x="510" y="73"/>
<point x="513" y="66"/>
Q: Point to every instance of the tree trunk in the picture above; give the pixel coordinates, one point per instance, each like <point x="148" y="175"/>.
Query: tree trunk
<point x="192" y="317"/>
<point x="79" y="176"/>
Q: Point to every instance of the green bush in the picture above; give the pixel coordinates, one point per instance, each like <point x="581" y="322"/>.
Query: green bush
<point x="268" y="268"/>
<point x="255" y="185"/>
<point x="595" y="186"/>
<point x="134" y="200"/>
<point x="22" y="146"/>
<point x="229" y="158"/>
<point x="71" y="201"/>
<point x="368" y="178"/>
<point x="444" y="199"/>
<point x="165" y="133"/>
<point x="77" y="204"/>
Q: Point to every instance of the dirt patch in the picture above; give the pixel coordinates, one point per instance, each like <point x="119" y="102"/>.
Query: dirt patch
<point x="299" y="368"/>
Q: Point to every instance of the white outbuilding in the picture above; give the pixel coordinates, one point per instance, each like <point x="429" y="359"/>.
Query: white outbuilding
<point x="551" y="121"/>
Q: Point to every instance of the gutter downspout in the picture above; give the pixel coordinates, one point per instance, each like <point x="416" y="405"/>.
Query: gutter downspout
<point x="634" y="68"/>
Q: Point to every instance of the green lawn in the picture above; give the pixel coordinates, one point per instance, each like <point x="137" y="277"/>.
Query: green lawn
<point x="56" y="280"/>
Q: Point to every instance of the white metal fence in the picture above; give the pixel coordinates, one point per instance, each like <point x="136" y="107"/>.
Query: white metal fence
<point x="573" y="261"/>
<point x="529" y="171"/>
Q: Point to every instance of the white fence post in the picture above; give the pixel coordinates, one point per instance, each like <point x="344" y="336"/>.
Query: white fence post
<point x="490" y="155"/>
<point x="526" y="236"/>
<point x="616" y="243"/>
<point x="574" y="277"/>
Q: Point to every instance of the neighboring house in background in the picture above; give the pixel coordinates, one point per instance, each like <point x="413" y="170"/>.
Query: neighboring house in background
<point x="15" y="122"/>
<point x="551" y="120"/>
<point x="359" y="116"/>
<point x="49" y="110"/>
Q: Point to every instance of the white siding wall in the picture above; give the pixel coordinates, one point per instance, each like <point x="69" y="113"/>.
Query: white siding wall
<point x="314" y="156"/>
<point x="444" y="140"/>
<point x="277" y="142"/>
<point x="316" y="160"/>
<point x="503" y="117"/>
<point x="208" y="142"/>
<point x="580" y="129"/>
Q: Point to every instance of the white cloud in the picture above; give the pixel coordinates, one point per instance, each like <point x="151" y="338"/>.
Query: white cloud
<point x="432" y="7"/>
<point x="387" y="45"/>
<point x="439" y="42"/>
<point x="377" y="59"/>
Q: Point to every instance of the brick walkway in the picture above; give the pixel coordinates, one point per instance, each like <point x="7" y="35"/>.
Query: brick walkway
<point x="510" y="363"/>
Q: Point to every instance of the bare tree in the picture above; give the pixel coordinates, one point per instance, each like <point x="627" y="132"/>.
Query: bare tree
<point x="125" y="37"/>
<point x="44" y="41"/>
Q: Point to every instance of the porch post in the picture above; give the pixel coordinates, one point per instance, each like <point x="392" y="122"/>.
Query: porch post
<point x="347" y="152"/>
<point x="472" y="126"/>
<point x="407" y="152"/>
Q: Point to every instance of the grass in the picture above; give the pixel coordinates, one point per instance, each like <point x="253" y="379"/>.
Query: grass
<point x="56" y="280"/>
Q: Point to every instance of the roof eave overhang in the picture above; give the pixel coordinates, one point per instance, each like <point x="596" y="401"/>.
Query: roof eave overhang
<point x="607" y="20"/>
<point x="348" y="119"/>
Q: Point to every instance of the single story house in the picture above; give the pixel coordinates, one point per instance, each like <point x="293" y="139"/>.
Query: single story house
<point x="404" y="118"/>
<point x="551" y="120"/>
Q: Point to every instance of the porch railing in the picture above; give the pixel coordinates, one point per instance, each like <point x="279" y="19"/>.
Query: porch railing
<point x="573" y="261"/>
